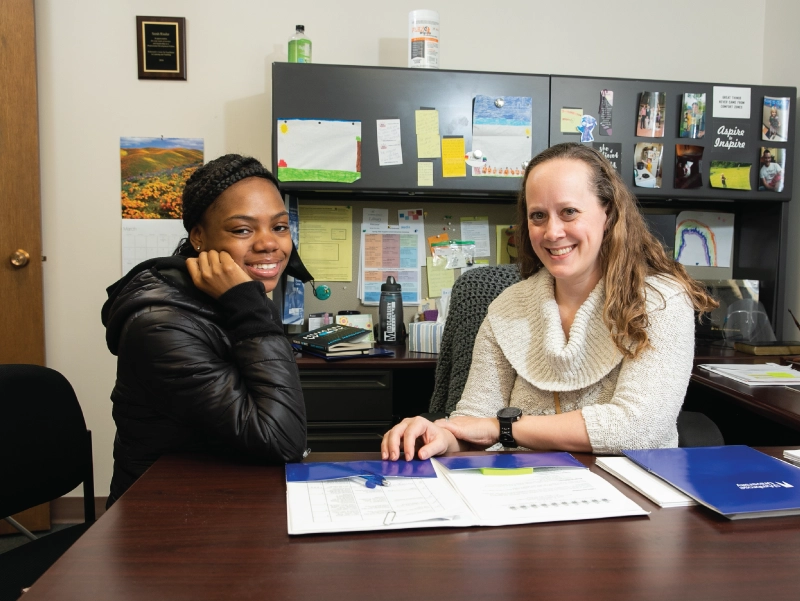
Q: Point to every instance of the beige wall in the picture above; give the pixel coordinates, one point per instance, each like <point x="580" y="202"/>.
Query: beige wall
<point x="781" y="67"/>
<point x="89" y="96"/>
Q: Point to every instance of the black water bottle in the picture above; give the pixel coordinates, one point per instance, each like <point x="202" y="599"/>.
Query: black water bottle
<point x="390" y="313"/>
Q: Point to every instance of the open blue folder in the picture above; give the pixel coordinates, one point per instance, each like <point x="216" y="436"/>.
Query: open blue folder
<point x="736" y="481"/>
<point x="313" y="472"/>
<point x="511" y="461"/>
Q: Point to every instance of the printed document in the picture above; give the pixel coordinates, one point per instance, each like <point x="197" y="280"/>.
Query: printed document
<point x="455" y="498"/>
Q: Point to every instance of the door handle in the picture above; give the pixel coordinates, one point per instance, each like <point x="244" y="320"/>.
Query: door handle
<point x="20" y="258"/>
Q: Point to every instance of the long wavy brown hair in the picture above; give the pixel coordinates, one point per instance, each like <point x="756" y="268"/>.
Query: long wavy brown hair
<point x="629" y="252"/>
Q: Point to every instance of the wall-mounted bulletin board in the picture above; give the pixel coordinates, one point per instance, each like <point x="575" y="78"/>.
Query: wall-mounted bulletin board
<point x="334" y="97"/>
<point x="710" y="137"/>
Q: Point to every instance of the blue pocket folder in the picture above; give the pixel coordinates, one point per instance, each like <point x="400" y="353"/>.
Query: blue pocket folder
<point x="313" y="472"/>
<point x="510" y="461"/>
<point x="736" y="481"/>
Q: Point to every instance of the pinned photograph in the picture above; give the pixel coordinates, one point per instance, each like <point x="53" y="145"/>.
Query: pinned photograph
<point x="647" y="165"/>
<point x="693" y="116"/>
<point x="730" y="175"/>
<point x="771" y="170"/>
<point x="650" y="118"/>
<point x="688" y="166"/>
<point x="775" y="119"/>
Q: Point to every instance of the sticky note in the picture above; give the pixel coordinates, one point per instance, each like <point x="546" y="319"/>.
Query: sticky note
<point x="493" y="471"/>
<point x="427" y="122"/>
<point x="428" y="146"/>
<point x="439" y="277"/>
<point x="424" y="173"/>
<point x="453" y="164"/>
<point x="427" y="128"/>
<point x="570" y="120"/>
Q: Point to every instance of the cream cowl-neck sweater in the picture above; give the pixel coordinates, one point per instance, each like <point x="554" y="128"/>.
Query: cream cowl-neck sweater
<point x="521" y="358"/>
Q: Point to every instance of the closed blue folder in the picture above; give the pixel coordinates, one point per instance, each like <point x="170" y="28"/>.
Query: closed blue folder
<point x="736" y="481"/>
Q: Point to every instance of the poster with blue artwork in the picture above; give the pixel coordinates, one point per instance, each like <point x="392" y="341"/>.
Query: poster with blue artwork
<point x="704" y="238"/>
<point x="501" y="136"/>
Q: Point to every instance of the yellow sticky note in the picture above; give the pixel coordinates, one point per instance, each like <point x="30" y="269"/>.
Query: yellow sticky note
<point x="428" y="146"/>
<point x="424" y="173"/>
<point x="570" y="120"/>
<point x="438" y="278"/>
<point x="453" y="164"/>
<point x="427" y="122"/>
<point x="513" y="471"/>
<point x="778" y="374"/>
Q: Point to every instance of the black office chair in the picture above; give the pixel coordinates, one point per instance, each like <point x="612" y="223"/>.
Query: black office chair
<point x="470" y="298"/>
<point x="46" y="452"/>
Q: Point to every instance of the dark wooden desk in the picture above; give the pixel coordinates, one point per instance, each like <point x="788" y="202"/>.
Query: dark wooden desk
<point x="754" y="415"/>
<point x="191" y="529"/>
<point x="351" y="403"/>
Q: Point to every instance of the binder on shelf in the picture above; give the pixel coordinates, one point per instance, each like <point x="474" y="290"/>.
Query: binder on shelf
<point x="735" y="481"/>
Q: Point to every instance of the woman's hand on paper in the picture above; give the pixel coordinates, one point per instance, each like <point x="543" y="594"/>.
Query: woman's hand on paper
<point x="481" y="432"/>
<point x="215" y="272"/>
<point x="417" y="435"/>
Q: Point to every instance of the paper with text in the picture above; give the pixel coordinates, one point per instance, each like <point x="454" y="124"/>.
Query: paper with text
<point x="326" y="242"/>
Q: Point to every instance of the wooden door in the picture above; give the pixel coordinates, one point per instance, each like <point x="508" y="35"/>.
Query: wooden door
<point x="21" y="302"/>
<point x="21" y="307"/>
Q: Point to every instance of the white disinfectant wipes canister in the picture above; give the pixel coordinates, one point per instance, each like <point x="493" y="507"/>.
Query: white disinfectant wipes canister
<point x="423" y="39"/>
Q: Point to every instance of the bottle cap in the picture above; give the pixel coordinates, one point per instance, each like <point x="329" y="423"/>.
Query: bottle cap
<point x="299" y="27"/>
<point x="391" y="285"/>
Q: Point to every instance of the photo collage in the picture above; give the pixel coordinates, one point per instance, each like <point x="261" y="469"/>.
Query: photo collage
<point x="730" y="166"/>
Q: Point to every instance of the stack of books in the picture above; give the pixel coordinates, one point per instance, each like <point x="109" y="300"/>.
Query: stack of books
<point x="334" y="341"/>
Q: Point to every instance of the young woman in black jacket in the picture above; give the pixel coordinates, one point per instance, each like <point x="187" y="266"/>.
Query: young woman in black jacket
<point x="203" y="364"/>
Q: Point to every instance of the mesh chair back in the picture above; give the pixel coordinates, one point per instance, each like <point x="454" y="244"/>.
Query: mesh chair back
<point x="44" y="444"/>
<point x="472" y="294"/>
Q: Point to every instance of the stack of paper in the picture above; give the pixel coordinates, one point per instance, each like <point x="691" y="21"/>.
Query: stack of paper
<point x="453" y="492"/>
<point x="792" y="457"/>
<point x="768" y="374"/>
<point x="652" y="487"/>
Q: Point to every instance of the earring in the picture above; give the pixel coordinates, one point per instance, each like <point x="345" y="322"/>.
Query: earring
<point x="198" y="248"/>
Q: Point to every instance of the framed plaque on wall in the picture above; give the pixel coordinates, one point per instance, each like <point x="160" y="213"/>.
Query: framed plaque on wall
<point x="161" y="45"/>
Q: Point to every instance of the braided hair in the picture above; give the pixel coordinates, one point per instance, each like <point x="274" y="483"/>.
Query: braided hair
<point x="207" y="183"/>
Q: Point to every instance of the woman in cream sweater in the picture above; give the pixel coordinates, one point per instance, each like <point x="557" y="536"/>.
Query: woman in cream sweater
<point x="593" y="350"/>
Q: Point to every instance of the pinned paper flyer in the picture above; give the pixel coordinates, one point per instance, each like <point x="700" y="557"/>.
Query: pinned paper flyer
<point x="731" y="103"/>
<point x="704" y="238"/>
<point x="425" y="173"/>
<point x="390" y="150"/>
<point x="604" y="114"/>
<point x="501" y="136"/>
<point x="319" y="150"/>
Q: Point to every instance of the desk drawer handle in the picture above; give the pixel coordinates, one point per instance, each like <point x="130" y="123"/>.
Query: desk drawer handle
<point x="342" y="384"/>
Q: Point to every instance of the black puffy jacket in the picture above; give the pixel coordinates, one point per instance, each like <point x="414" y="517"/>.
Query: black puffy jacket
<point x="195" y="374"/>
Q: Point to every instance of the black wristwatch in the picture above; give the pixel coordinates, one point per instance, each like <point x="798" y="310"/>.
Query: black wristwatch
<point x="507" y="416"/>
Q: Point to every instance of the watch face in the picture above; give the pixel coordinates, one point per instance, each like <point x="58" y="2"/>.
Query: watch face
<point x="509" y="412"/>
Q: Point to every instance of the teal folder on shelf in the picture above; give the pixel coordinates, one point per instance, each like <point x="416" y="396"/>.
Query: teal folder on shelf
<point x="736" y="481"/>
